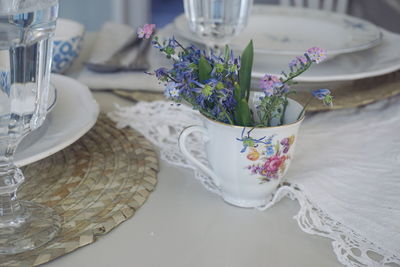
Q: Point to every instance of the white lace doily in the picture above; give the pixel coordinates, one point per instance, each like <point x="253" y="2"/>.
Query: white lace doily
<point x="345" y="175"/>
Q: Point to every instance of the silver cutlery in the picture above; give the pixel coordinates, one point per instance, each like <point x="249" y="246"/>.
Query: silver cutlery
<point x="113" y="64"/>
<point x="140" y="63"/>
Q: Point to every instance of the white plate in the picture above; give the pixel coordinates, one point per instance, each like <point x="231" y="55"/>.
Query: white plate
<point x="380" y="60"/>
<point x="75" y="113"/>
<point x="291" y="31"/>
<point x="52" y="100"/>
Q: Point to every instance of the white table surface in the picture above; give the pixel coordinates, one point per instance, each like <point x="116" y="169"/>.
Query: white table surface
<point x="182" y="224"/>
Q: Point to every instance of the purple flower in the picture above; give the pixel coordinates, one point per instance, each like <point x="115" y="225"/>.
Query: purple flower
<point x="269" y="84"/>
<point x="146" y="31"/>
<point x="302" y="60"/>
<point x="285" y="142"/>
<point x="298" y="61"/>
<point x="293" y="63"/>
<point x="229" y="102"/>
<point x="161" y="73"/>
<point x="324" y="95"/>
<point x="316" y="54"/>
<point x="172" y="42"/>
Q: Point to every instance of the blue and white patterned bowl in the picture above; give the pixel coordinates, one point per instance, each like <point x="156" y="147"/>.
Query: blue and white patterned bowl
<point x="66" y="44"/>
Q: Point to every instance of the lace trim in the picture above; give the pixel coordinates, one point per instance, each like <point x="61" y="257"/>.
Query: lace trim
<point x="350" y="248"/>
<point x="161" y="122"/>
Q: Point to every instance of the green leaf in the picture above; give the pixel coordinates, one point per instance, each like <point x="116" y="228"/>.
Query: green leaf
<point x="226" y="53"/>
<point x="243" y="114"/>
<point x="246" y="64"/>
<point x="237" y="94"/>
<point x="204" y="69"/>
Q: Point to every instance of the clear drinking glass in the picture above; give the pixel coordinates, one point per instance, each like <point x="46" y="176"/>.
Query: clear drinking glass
<point x="26" y="30"/>
<point x="218" y="21"/>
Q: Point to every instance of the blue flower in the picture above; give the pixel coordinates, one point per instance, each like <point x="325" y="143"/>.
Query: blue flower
<point x="171" y="91"/>
<point x="214" y="96"/>
<point x="321" y="93"/>
<point x="269" y="150"/>
<point x="324" y="95"/>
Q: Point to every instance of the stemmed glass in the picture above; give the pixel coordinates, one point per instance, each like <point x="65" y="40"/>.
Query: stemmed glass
<point x="218" y="21"/>
<point x="26" y="30"/>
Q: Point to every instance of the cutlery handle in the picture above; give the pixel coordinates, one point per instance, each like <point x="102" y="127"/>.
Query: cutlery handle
<point x="182" y="145"/>
<point x="140" y="62"/>
<point x="133" y="41"/>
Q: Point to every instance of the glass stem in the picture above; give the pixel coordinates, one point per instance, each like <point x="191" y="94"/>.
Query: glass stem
<point x="10" y="179"/>
<point x="215" y="48"/>
<point x="9" y="204"/>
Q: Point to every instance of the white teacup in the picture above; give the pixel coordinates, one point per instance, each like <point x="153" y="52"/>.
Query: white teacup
<point x="247" y="171"/>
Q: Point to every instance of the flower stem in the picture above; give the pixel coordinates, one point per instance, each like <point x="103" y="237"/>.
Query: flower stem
<point x="304" y="108"/>
<point x="181" y="46"/>
<point x="169" y="76"/>
<point x="265" y="117"/>
<point x="294" y="75"/>
<point x="225" y="113"/>
<point x="197" y="107"/>
<point x="285" y="104"/>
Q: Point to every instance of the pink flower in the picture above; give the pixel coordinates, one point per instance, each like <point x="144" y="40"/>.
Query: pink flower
<point x="146" y="31"/>
<point x="302" y="59"/>
<point x="269" y="83"/>
<point x="316" y="54"/>
<point x="273" y="163"/>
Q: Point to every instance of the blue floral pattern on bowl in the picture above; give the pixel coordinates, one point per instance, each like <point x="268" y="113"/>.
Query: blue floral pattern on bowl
<point x="4" y="81"/>
<point x="64" y="53"/>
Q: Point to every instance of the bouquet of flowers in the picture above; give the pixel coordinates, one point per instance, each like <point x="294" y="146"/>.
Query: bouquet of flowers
<point x="219" y="85"/>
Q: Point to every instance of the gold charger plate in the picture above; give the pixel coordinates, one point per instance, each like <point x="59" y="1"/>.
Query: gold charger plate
<point x="348" y="95"/>
<point x="357" y="93"/>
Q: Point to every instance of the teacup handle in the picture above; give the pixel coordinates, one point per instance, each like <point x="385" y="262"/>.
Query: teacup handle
<point x="182" y="141"/>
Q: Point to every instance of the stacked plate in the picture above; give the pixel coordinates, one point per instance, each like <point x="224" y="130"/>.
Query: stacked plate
<point x="72" y="112"/>
<point x="356" y="48"/>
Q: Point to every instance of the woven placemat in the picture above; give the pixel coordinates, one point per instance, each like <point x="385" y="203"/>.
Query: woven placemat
<point x="94" y="184"/>
<point x="347" y="95"/>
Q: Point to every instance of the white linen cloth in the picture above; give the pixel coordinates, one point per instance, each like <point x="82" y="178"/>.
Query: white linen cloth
<point x="345" y="174"/>
<point x="111" y="37"/>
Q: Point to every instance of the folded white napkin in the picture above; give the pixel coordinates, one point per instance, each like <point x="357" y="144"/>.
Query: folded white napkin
<point x="111" y="37"/>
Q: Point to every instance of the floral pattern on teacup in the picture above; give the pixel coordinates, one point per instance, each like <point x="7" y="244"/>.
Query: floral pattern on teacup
<point x="269" y="160"/>
<point x="249" y="141"/>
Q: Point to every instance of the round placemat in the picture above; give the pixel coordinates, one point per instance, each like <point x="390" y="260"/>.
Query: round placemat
<point x="94" y="185"/>
<point x="346" y="95"/>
